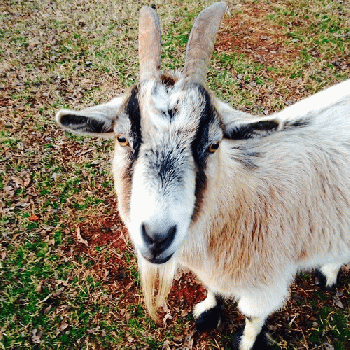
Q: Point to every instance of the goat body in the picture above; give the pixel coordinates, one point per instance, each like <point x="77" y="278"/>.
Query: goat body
<point x="244" y="202"/>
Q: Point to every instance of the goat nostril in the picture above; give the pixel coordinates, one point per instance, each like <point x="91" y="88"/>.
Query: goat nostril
<point x="145" y="235"/>
<point x="172" y="232"/>
<point x="155" y="239"/>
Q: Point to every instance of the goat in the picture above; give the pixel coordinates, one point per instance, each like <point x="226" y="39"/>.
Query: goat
<point x="242" y="201"/>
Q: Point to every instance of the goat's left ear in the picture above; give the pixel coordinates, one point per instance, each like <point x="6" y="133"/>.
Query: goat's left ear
<point x="241" y="126"/>
<point x="243" y="130"/>
<point x="95" y="121"/>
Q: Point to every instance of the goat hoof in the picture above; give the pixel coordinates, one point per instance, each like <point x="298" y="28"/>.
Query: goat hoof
<point x="262" y="341"/>
<point x="323" y="282"/>
<point x="237" y="339"/>
<point x="209" y="319"/>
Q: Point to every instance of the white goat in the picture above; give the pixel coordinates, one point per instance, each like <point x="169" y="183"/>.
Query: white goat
<point x="244" y="202"/>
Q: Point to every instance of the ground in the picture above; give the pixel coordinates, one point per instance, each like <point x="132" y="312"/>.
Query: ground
<point x="68" y="273"/>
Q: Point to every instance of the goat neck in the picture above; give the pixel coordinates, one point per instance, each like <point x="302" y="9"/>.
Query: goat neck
<point x="149" y="44"/>
<point x="201" y="43"/>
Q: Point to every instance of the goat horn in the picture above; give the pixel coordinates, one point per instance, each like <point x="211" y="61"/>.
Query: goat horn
<point x="149" y="44"/>
<point x="201" y="42"/>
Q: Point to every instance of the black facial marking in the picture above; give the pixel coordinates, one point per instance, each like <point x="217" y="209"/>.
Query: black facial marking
<point x="133" y="112"/>
<point x="246" y="161"/>
<point x="246" y="157"/>
<point x="199" y="148"/>
<point x="166" y="164"/>
<point x="172" y="112"/>
<point x="250" y="130"/>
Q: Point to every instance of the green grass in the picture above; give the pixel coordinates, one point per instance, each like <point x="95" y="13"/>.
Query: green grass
<point x="332" y="325"/>
<point x="59" y="291"/>
<point x="23" y="308"/>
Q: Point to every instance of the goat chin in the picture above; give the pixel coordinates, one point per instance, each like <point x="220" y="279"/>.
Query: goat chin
<point x="156" y="281"/>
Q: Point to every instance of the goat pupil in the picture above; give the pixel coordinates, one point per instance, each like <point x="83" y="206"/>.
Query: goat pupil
<point x="122" y="140"/>
<point x="213" y="147"/>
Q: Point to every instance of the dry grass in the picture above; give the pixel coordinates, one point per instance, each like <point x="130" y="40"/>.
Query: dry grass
<point x="68" y="276"/>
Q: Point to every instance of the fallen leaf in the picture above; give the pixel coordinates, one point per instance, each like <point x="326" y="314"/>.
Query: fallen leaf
<point x="26" y="180"/>
<point x="166" y="345"/>
<point x="338" y="302"/>
<point x="81" y="239"/>
<point x="33" y="217"/>
<point x="36" y="337"/>
<point x="188" y="343"/>
<point x="47" y="310"/>
<point x="62" y="327"/>
<point x="327" y="346"/>
<point x="39" y="287"/>
<point x="167" y="315"/>
<point x="9" y="190"/>
<point x="17" y="181"/>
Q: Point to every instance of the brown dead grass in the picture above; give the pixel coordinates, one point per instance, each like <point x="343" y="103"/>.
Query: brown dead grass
<point x="44" y="67"/>
<point x="248" y="32"/>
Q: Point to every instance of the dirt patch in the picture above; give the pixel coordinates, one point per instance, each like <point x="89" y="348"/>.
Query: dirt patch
<point x="250" y="32"/>
<point x="106" y="232"/>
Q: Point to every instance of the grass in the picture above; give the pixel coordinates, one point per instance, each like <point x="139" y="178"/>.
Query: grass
<point x="68" y="274"/>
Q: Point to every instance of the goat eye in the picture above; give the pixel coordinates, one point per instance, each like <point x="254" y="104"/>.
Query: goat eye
<point x="122" y="141"/>
<point x="213" y="147"/>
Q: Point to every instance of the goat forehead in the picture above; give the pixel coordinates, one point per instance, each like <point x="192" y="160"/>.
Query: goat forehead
<point x="170" y="111"/>
<point x="166" y="165"/>
<point x="177" y="126"/>
<point x="166" y="157"/>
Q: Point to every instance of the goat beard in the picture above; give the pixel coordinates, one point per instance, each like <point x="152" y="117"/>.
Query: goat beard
<point x="156" y="282"/>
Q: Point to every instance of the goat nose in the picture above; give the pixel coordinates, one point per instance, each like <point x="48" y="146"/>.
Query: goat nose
<point x="157" y="240"/>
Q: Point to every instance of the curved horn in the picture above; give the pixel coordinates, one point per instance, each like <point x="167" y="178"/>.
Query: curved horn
<point x="201" y="42"/>
<point x="149" y="44"/>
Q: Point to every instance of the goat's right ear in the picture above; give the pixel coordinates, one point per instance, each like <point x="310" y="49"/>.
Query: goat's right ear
<point x="95" y="121"/>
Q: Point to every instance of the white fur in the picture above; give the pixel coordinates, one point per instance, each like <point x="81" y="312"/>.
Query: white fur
<point x="317" y="102"/>
<point x="208" y="303"/>
<point x="151" y="205"/>
<point x="251" y="330"/>
<point x="117" y="101"/>
<point x="331" y="272"/>
<point x="256" y="226"/>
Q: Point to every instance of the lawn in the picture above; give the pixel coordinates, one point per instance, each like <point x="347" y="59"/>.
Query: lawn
<point x="68" y="273"/>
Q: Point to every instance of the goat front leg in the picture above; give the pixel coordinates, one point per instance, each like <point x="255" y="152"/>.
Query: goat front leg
<point x="257" y="305"/>
<point x="330" y="274"/>
<point x="253" y="336"/>
<point x="207" y="313"/>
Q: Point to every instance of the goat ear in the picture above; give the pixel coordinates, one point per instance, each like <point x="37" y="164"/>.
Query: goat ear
<point x="241" y="126"/>
<point x="96" y="121"/>
<point x="243" y="130"/>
